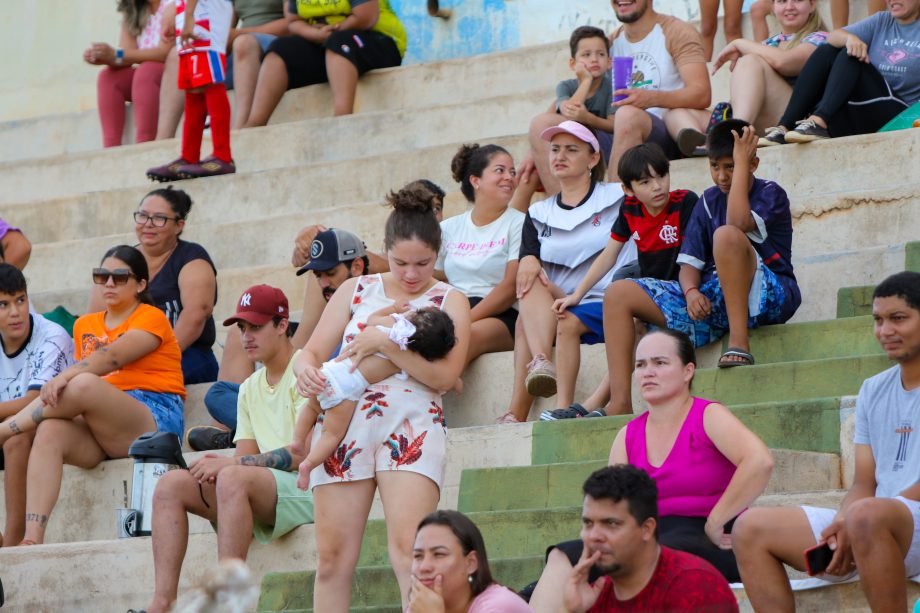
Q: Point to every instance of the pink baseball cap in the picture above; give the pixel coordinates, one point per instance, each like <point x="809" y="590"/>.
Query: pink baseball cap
<point x="575" y="129"/>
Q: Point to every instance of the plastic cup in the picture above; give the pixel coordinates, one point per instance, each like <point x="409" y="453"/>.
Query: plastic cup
<point x="622" y="74"/>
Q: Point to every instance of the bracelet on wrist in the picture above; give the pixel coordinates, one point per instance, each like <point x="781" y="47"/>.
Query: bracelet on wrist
<point x="690" y="289"/>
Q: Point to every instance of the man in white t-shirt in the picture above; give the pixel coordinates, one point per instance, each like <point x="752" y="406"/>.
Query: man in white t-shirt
<point x="669" y="89"/>
<point x="876" y="532"/>
<point x="252" y="493"/>
<point x="34" y="351"/>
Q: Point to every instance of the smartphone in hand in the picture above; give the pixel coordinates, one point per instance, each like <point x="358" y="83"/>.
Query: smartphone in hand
<point x="818" y="558"/>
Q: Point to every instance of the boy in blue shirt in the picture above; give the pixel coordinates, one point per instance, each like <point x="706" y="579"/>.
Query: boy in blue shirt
<point x="736" y="266"/>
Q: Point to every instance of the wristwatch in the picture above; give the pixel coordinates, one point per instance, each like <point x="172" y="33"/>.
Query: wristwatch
<point x="119" y="56"/>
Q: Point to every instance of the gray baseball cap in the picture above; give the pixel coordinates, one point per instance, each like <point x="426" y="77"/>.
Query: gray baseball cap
<point x="332" y="247"/>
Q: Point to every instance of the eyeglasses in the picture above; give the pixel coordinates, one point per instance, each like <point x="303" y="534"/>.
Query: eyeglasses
<point x="141" y="218"/>
<point x="119" y="276"/>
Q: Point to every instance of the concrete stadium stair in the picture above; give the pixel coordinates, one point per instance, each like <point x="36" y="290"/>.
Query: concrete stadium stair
<point x="853" y="225"/>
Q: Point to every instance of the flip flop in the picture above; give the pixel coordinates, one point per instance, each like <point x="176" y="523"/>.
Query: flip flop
<point x="746" y="359"/>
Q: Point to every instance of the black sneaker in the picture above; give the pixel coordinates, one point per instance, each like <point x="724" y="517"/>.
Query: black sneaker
<point x="573" y="411"/>
<point x="806" y="131"/>
<point x="772" y="137"/>
<point x="596" y="413"/>
<point x="208" y="438"/>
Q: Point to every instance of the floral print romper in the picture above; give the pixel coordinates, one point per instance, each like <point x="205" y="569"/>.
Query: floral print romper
<point x="397" y="425"/>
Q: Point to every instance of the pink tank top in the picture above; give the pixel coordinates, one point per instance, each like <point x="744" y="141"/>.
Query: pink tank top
<point x="695" y="473"/>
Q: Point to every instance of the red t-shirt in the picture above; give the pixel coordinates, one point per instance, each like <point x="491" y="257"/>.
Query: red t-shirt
<point x="682" y="582"/>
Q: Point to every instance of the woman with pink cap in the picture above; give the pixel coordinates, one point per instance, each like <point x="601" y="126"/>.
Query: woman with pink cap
<point x="562" y="235"/>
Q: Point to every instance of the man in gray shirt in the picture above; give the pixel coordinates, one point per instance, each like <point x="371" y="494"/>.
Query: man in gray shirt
<point x="876" y="532"/>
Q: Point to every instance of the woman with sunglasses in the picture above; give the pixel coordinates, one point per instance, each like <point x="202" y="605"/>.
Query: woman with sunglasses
<point x="183" y="279"/>
<point x="127" y="381"/>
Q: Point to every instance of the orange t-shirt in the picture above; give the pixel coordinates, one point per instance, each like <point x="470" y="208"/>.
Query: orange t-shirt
<point x="158" y="371"/>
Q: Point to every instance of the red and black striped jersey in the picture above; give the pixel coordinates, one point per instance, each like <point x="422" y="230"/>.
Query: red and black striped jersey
<point x="658" y="238"/>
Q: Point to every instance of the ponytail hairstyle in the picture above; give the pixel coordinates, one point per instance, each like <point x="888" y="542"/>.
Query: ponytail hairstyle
<point x="471" y="161"/>
<point x="179" y="201"/>
<point x="138" y="265"/>
<point x="412" y="217"/>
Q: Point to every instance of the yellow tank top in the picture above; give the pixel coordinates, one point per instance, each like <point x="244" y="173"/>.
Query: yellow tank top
<point x="335" y="11"/>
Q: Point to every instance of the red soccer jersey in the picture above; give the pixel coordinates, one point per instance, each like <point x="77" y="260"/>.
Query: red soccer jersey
<point x="682" y="582"/>
<point x="658" y="238"/>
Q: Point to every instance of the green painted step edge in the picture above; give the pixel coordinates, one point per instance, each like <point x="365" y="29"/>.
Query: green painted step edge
<point x="813" y="340"/>
<point x="376" y="586"/>
<point x="788" y="381"/>
<point x="856" y="301"/>
<point x="806" y="425"/>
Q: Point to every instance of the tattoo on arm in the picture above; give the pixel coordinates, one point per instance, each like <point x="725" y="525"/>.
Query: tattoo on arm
<point x="41" y="519"/>
<point x="38" y="414"/>
<point x="279" y="458"/>
<point x="14" y="427"/>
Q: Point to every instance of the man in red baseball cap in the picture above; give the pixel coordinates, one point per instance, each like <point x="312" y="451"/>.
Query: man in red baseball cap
<point x="258" y="494"/>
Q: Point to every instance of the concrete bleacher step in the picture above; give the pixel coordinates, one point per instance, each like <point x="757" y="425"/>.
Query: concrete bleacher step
<point x="86" y="507"/>
<point x="516" y="540"/>
<point x="857" y="301"/>
<point x="410" y="87"/>
<point x="279" y="146"/>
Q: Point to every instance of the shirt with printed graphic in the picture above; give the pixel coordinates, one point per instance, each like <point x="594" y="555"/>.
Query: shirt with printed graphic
<point x="771" y="238"/>
<point x="894" y="49"/>
<point x="886" y="418"/>
<point x="47" y="351"/>
<point x="658" y="238"/>
<point x="659" y="56"/>
<point x="813" y="38"/>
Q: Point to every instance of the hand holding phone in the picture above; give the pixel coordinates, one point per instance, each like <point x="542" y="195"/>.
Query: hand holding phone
<point x="818" y="558"/>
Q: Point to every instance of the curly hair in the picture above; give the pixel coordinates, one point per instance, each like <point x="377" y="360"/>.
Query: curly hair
<point x="434" y="333"/>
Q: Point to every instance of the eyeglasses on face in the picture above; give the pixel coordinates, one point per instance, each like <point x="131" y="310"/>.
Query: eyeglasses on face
<point x="119" y="276"/>
<point x="141" y="218"/>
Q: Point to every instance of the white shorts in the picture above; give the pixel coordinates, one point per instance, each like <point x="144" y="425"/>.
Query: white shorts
<point x="341" y="384"/>
<point x="819" y="519"/>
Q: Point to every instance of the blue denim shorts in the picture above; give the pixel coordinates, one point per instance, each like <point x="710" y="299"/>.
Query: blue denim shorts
<point x="167" y="410"/>
<point x="264" y="41"/>
<point x="765" y="302"/>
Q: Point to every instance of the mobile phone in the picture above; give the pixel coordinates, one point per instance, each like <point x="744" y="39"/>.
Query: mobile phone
<point x="818" y="558"/>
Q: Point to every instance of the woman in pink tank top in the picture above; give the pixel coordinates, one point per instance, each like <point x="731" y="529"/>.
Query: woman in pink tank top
<point x="708" y="466"/>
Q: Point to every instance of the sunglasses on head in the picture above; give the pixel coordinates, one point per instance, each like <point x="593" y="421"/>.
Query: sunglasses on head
<point x="119" y="276"/>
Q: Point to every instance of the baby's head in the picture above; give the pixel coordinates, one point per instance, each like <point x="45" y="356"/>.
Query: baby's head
<point x="434" y="333"/>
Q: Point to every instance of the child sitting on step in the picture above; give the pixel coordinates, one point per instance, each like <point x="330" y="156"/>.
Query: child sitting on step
<point x="202" y="42"/>
<point x="428" y="331"/>
<point x="735" y="266"/>
<point x="656" y="217"/>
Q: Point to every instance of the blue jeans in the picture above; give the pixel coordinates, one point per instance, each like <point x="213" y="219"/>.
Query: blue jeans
<point x="221" y="403"/>
<point x="264" y="41"/>
<point x="199" y="365"/>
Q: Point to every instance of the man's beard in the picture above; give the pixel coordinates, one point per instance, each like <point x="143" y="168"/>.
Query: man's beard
<point x="328" y="292"/>
<point x="633" y="17"/>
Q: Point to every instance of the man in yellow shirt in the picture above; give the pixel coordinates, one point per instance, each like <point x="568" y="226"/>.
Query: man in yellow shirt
<point x="253" y="492"/>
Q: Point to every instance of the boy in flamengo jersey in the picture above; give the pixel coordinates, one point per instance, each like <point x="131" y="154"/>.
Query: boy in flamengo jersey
<point x="656" y="217"/>
<point x="202" y="41"/>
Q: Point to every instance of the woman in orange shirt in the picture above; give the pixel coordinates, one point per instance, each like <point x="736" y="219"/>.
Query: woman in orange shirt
<point x="127" y="381"/>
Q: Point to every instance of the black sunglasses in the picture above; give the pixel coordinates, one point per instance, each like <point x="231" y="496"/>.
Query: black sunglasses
<point x="119" y="276"/>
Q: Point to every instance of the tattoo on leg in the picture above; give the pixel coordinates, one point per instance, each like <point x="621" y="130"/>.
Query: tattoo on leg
<point x="38" y="414"/>
<point x="14" y="427"/>
<point x="36" y="517"/>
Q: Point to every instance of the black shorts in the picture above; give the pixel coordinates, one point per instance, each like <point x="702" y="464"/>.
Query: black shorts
<point x="681" y="533"/>
<point x="509" y="317"/>
<point x="306" y="61"/>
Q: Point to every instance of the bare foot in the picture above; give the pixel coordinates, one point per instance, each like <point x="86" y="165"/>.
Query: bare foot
<point x="303" y="476"/>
